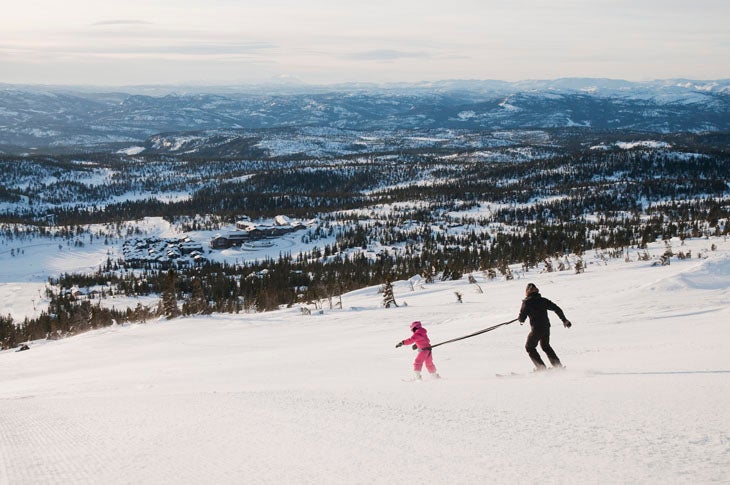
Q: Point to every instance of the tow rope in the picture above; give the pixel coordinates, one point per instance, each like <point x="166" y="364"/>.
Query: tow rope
<point x="472" y="334"/>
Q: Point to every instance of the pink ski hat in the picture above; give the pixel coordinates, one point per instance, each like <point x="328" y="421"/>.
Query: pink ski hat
<point x="415" y="326"/>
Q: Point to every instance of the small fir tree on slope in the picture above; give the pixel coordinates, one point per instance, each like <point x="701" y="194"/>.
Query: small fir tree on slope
<point x="169" y="299"/>
<point x="388" y="298"/>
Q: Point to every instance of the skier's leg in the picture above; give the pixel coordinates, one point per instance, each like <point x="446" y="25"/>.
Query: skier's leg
<point x="545" y="346"/>
<point x="531" y="348"/>
<point x="420" y="358"/>
<point x="418" y="365"/>
<point x="429" y="362"/>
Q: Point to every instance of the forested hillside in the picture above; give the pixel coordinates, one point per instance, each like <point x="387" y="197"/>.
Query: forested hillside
<point x="441" y="205"/>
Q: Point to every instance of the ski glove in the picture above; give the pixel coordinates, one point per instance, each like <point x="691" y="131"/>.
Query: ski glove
<point x="399" y="344"/>
<point x="567" y="324"/>
<point x="414" y="346"/>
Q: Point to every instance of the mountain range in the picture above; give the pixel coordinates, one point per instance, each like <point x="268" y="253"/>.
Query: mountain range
<point x="53" y="117"/>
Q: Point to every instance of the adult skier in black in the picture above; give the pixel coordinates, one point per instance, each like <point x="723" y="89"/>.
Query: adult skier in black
<point x="535" y="306"/>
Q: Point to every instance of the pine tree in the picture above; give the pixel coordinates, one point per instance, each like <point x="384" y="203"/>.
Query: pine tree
<point x="9" y="334"/>
<point x="388" y="298"/>
<point x="428" y="274"/>
<point x="197" y="304"/>
<point x="140" y="313"/>
<point x="169" y="298"/>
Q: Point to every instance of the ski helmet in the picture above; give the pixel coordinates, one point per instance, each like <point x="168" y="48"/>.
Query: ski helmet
<point x="415" y="326"/>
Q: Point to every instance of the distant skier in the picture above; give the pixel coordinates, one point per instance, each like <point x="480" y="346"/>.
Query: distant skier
<point x="424" y="356"/>
<point x="535" y="306"/>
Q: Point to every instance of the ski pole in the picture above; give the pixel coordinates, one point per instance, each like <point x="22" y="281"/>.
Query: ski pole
<point x="473" y="334"/>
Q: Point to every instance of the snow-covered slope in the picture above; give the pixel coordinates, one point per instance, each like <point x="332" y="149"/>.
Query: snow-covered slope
<point x="283" y="397"/>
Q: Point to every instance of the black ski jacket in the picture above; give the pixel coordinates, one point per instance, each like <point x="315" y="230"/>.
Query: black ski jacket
<point x="536" y="307"/>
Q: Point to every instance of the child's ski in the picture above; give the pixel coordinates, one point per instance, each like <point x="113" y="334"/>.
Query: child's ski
<point x="432" y="377"/>
<point x="511" y="374"/>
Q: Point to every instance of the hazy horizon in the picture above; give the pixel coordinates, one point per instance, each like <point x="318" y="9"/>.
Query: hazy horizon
<point x="320" y="42"/>
<point x="297" y="83"/>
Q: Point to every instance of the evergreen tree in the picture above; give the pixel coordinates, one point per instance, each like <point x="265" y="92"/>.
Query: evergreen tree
<point x="428" y="274"/>
<point x="197" y="304"/>
<point x="388" y="298"/>
<point x="169" y="297"/>
<point x="9" y="334"/>
<point x="140" y="313"/>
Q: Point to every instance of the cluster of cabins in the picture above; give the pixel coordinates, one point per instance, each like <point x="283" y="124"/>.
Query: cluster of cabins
<point x="155" y="252"/>
<point x="247" y="231"/>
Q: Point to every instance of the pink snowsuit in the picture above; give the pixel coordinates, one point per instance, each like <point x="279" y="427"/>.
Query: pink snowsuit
<point x="420" y="338"/>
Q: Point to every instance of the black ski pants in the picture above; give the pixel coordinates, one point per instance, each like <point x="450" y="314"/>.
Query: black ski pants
<point x="541" y="336"/>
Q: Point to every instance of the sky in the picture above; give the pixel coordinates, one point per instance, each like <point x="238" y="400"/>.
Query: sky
<point x="138" y="42"/>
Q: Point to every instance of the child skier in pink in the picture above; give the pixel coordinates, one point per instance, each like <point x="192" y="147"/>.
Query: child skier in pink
<point x="420" y="339"/>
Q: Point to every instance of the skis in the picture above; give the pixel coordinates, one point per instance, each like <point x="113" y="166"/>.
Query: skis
<point x="511" y="374"/>
<point x="418" y="379"/>
<point x="549" y="370"/>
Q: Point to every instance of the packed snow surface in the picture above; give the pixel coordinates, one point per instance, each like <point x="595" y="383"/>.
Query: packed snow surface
<point x="283" y="397"/>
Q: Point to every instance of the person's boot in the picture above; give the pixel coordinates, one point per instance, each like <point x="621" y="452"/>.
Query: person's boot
<point x="417" y="375"/>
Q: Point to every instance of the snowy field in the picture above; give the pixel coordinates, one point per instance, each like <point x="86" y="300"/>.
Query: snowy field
<point x="283" y="397"/>
<point x="27" y="263"/>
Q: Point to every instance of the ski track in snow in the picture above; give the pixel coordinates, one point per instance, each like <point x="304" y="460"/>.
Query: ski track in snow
<point x="284" y="398"/>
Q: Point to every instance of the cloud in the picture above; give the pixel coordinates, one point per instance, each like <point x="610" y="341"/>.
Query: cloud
<point x="104" y="23"/>
<point x="384" y="55"/>
<point x="197" y="49"/>
<point x="142" y="47"/>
